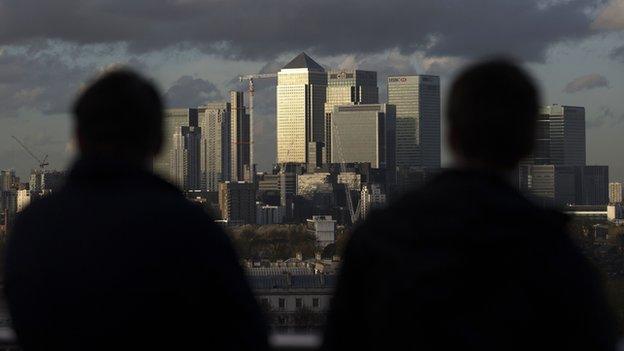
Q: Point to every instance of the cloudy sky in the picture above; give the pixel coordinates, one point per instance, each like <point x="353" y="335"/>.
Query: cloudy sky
<point x="194" y="50"/>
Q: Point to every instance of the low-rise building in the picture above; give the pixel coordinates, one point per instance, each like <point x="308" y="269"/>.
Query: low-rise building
<point x="295" y="294"/>
<point x="323" y="228"/>
<point x="269" y="214"/>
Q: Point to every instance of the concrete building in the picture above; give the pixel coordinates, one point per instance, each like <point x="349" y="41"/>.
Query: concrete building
<point x="351" y="179"/>
<point x="372" y="197"/>
<point x="8" y="206"/>
<point x="557" y="185"/>
<point x="36" y="181"/>
<point x="323" y="228"/>
<point x="237" y="202"/>
<point x="347" y="87"/>
<point x="615" y="193"/>
<point x="7" y="179"/>
<point x="240" y="139"/>
<point x="23" y="199"/>
<point x="301" y="94"/>
<point x="215" y="153"/>
<point x="566" y="134"/>
<point x="185" y="158"/>
<point x="364" y="134"/>
<point x="268" y="214"/>
<point x="173" y="120"/>
<point x="417" y="101"/>
<point x="615" y="212"/>
<point x="541" y="150"/>
<point x="593" y="187"/>
<point x="551" y="185"/>
<point x="310" y="184"/>
<point x="293" y="299"/>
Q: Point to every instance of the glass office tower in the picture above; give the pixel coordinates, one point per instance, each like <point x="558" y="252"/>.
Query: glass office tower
<point x="173" y="120"/>
<point x="417" y="101"/>
<point x="347" y="87"/>
<point x="301" y="91"/>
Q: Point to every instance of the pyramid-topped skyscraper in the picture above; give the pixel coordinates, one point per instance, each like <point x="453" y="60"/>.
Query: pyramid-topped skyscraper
<point x="301" y="94"/>
<point x="304" y="61"/>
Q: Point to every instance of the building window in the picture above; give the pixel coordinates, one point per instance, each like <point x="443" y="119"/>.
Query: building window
<point x="298" y="303"/>
<point x="282" y="303"/>
<point x="315" y="303"/>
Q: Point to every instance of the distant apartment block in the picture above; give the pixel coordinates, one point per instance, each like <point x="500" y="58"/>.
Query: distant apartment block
<point x="615" y="193"/>
<point x="372" y="197"/>
<point x="554" y="185"/>
<point x="215" y="145"/>
<point x="237" y="202"/>
<point x="184" y="164"/>
<point x="269" y="214"/>
<point x="240" y="130"/>
<point x="173" y="121"/>
<point x="323" y="228"/>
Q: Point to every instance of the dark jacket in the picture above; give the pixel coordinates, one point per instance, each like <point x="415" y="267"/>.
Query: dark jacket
<point x="467" y="263"/>
<point x="120" y="260"/>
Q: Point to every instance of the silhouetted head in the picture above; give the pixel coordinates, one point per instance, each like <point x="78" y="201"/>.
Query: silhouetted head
<point x="492" y="114"/>
<point x="120" y="115"/>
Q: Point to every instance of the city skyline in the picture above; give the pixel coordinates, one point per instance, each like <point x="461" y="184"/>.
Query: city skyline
<point x="576" y="56"/>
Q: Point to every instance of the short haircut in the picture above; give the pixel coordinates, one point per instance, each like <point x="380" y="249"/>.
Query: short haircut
<point x="492" y="112"/>
<point x="120" y="112"/>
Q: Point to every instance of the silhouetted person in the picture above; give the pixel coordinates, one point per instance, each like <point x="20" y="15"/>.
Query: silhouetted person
<point x="119" y="259"/>
<point x="466" y="262"/>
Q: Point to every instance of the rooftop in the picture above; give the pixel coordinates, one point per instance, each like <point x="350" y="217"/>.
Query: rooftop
<point x="304" y="61"/>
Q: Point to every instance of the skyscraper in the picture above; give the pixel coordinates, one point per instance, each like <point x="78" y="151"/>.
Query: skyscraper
<point x="593" y="185"/>
<point x="567" y="134"/>
<point x="172" y="121"/>
<point x="364" y="134"/>
<point x="347" y="87"/>
<point x="239" y="137"/>
<point x="215" y="153"/>
<point x="7" y="179"/>
<point x="301" y="93"/>
<point x="417" y="101"/>
<point x="615" y="193"/>
<point x="185" y="157"/>
<point x="237" y="202"/>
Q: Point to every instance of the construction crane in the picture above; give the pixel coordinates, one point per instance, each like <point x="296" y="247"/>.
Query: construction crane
<point x="43" y="163"/>
<point x="251" y="90"/>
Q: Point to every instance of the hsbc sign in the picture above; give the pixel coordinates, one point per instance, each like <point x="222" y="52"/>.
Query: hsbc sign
<point x="397" y="80"/>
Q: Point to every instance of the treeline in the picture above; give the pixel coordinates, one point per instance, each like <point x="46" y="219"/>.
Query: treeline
<point x="281" y="242"/>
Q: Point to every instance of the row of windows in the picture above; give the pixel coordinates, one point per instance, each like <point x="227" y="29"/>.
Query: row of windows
<point x="281" y="303"/>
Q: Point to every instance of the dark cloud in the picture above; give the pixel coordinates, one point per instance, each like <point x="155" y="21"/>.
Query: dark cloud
<point x="617" y="54"/>
<point x="191" y="92"/>
<point x="41" y="82"/>
<point x="590" y="81"/>
<point x="606" y="118"/>
<point x="252" y="29"/>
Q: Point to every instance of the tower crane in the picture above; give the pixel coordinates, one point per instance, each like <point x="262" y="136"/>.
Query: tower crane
<point x="43" y="162"/>
<point x="250" y="78"/>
